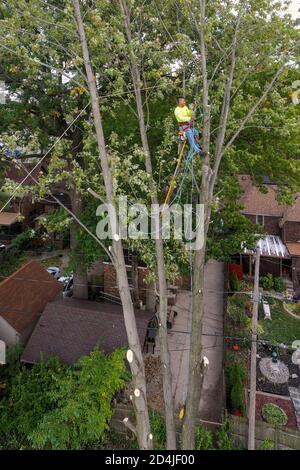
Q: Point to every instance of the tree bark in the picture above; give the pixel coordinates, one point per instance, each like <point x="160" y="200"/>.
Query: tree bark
<point x="80" y="280"/>
<point x="159" y="249"/>
<point x="136" y="362"/>
<point x="195" y="362"/>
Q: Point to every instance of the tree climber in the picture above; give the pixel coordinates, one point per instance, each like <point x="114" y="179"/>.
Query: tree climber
<point x="185" y="118"/>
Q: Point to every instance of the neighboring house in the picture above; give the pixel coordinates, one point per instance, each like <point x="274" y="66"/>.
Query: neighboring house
<point x="30" y="210"/>
<point x="72" y="328"/>
<point x="23" y="297"/>
<point x="10" y="226"/>
<point x="281" y="248"/>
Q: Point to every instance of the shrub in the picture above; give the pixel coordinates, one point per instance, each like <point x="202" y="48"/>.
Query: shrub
<point x="224" y="440"/>
<point x="279" y="284"/>
<point x="54" y="406"/>
<point x="267" y="281"/>
<point x="273" y="414"/>
<point x="267" y="444"/>
<point x="204" y="439"/>
<point x="236" y="310"/>
<point x="23" y="240"/>
<point x="234" y="282"/>
<point x="235" y="387"/>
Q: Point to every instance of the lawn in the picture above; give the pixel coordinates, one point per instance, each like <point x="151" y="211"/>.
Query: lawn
<point x="282" y="328"/>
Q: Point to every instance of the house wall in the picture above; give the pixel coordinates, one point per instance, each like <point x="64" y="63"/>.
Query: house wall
<point x="291" y="232"/>
<point x="110" y="281"/>
<point x="269" y="265"/>
<point x="111" y="285"/>
<point x="296" y="272"/>
<point x="8" y="334"/>
<point x="271" y="223"/>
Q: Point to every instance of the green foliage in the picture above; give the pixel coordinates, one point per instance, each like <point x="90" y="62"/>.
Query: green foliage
<point x="54" y="406"/>
<point x="235" y="376"/>
<point x="236" y="311"/>
<point x="267" y="281"/>
<point x="204" y="439"/>
<point x="234" y="282"/>
<point x="158" y="429"/>
<point x="22" y="241"/>
<point x="11" y="260"/>
<point x="267" y="444"/>
<point x="279" y="284"/>
<point x="224" y="440"/>
<point x="273" y="414"/>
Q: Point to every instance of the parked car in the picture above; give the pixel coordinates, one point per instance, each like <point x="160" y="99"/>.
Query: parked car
<point x="2" y="247"/>
<point x="68" y="285"/>
<point x="54" y="271"/>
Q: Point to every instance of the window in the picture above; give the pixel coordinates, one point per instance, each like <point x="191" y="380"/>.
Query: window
<point x="260" y="219"/>
<point x="130" y="277"/>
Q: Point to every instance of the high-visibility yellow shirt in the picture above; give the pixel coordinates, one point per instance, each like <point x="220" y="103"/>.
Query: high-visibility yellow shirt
<point x="183" y="114"/>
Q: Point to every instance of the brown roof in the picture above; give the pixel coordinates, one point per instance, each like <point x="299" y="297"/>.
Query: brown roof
<point x="8" y="218"/>
<point x="71" y="328"/>
<point x="255" y="201"/>
<point x="24" y="295"/>
<point x="292" y="213"/>
<point x="294" y="249"/>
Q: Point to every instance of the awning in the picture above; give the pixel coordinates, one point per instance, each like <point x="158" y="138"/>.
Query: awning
<point x="8" y="218"/>
<point x="271" y="246"/>
<point x="294" y="249"/>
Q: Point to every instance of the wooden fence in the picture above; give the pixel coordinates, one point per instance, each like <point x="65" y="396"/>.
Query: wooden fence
<point x="284" y="438"/>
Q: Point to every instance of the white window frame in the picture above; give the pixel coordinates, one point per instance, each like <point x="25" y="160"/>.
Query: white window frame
<point x="263" y="219"/>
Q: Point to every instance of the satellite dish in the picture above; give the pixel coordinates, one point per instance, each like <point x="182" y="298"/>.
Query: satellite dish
<point x="2" y="353"/>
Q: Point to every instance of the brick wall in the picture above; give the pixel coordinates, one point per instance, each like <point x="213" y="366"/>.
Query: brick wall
<point x="271" y="223"/>
<point x="291" y="232"/>
<point x="111" y="285"/>
<point x="110" y="281"/>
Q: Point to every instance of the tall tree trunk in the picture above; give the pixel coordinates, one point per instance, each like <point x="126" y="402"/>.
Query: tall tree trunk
<point x="80" y="280"/>
<point x="195" y="362"/>
<point x="136" y="361"/>
<point x="162" y="283"/>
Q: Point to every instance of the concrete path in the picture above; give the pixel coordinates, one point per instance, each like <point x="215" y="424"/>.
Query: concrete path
<point x="179" y="344"/>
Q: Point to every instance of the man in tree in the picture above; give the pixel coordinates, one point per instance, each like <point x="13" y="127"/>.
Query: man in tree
<point x="185" y="117"/>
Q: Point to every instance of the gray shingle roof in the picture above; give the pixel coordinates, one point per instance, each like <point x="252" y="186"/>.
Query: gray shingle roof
<point x="71" y="328"/>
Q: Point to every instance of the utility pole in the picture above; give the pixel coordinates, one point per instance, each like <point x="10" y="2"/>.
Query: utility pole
<point x="252" y="404"/>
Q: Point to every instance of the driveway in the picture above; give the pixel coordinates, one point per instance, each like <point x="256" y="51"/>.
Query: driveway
<point x="211" y="403"/>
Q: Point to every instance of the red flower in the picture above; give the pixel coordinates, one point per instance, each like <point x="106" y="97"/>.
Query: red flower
<point x="235" y="347"/>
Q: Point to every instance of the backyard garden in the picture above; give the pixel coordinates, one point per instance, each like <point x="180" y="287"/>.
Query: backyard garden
<point x="276" y="372"/>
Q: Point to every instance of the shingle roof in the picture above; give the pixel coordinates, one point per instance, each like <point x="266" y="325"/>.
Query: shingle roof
<point x="8" y="218"/>
<point x="256" y="202"/>
<point x="24" y="295"/>
<point x="71" y="328"/>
